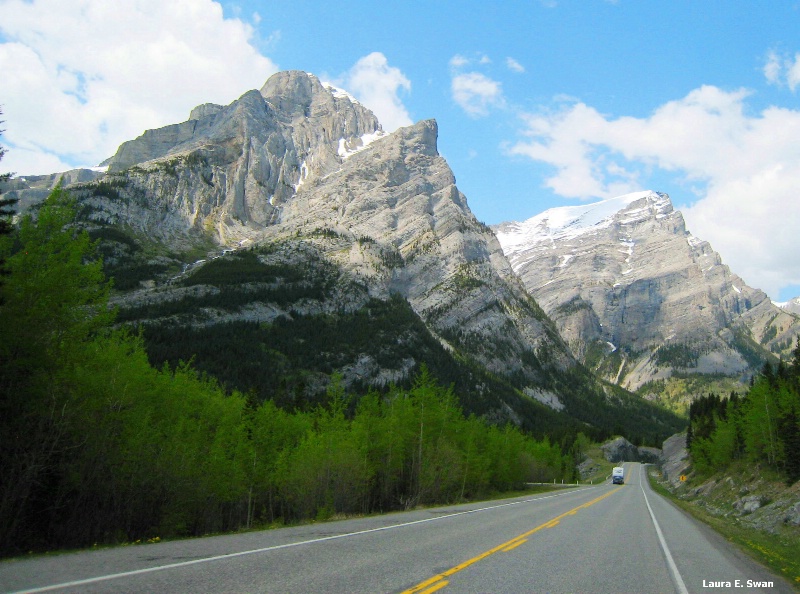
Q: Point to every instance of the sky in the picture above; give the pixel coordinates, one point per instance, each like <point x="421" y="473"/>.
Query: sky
<point x="540" y="103"/>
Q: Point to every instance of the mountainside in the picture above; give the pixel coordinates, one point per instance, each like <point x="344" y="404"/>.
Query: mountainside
<point x="792" y="306"/>
<point x="640" y="299"/>
<point x="337" y="248"/>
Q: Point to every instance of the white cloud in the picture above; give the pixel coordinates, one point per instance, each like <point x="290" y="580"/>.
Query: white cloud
<point x="476" y="93"/>
<point x="514" y="66"/>
<point x="782" y="70"/>
<point x="772" y="68"/>
<point x="793" y="73"/>
<point x="79" y="80"/>
<point x="747" y="169"/>
<point x="458" y="61"/>
<point x="378" y="85"/>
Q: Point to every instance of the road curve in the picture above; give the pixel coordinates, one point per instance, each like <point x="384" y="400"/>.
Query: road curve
<point x="607" y="538"/>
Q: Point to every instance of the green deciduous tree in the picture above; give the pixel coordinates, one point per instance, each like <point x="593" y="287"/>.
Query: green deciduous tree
<point x="53" y="301"/>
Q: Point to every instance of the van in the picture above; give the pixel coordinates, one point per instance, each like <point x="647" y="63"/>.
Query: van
<point x="618" y="476"/>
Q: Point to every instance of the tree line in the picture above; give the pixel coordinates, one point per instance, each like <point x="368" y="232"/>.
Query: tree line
<point x="762" y="426"/>
<point x="99" y="446"/>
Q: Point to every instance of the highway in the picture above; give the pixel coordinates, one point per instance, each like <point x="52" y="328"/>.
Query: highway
<point x="605" y="538"/>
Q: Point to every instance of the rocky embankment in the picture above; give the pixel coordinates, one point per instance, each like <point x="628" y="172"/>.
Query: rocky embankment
<point x="746" y="494"/>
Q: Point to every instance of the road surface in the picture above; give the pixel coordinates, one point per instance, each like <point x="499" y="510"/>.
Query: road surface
<point x="606" y="538"/>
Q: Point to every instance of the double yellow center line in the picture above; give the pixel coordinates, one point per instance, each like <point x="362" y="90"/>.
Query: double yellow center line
<point x="439" y="581"/>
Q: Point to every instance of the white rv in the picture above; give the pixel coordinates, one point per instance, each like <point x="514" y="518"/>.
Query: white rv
<point x="618" y="475"/>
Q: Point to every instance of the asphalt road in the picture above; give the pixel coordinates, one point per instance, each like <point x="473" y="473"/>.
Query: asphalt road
<point x="606" y="538"/>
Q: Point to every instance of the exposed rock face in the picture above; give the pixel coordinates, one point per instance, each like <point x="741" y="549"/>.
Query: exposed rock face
<point x="637" y="297"/>
<point x="400" y="193"/>
<point x="620" y="450"/>
<point x="649" y="455"/>
<point x="792" y="306"/>
<point x="675" y="459"/>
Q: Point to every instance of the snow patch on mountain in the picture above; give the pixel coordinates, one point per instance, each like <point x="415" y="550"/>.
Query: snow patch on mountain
<point x="570" y="222"/>
<point x="792" y="306"/>
<point x="337" y="92"/>
<point x="348" y="148"/>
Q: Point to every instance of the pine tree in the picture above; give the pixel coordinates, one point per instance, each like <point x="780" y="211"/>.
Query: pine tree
<point x="790" y="433"/>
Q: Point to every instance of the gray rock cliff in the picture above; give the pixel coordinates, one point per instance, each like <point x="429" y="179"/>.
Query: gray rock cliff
<point x="637" y="297"/>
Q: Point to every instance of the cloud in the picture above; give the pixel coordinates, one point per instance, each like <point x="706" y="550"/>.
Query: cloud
<point x="473" y="91"/>
<point x="744" y="167"/>
<point x="514" y="66"/>
<point x="458" y="61"/>
<point x="79" y="80"/>
<point x="782" y="70"/>
<point x="378" y="86"/>
<point x="476" y="93"/>
<point x="772" y="68"/>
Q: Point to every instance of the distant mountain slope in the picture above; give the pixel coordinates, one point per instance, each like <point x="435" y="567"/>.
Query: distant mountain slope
<point x="792" y="306"/>
<point x="334" y="214"/>
<point x="639" y="298"/>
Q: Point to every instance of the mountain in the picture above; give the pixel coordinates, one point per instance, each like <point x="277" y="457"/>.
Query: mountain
<point x="639" y="299"/>
<point x="286" y="237"/>
<point x="792" y="306"/>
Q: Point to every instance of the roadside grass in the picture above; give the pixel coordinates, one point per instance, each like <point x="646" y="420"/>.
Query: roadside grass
<point x="778" y="552"/>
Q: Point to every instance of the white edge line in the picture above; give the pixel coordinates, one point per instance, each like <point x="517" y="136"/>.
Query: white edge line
<point x="676" y="575"/>
<point x="123" y="574"/>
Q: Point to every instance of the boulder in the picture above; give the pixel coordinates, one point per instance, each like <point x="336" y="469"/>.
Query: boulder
<point x="749" y="504"/>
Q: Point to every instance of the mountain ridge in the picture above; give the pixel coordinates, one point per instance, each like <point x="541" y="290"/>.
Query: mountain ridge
<point x="637" y="296"/>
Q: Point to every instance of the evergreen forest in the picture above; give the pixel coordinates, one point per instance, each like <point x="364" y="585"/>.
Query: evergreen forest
<point x="761" y="427"/>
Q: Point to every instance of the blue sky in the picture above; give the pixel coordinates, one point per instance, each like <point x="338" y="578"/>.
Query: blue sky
<point x="540" y="103"/>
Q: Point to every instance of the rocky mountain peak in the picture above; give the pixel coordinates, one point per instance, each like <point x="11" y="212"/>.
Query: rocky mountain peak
<point x="793" y="305"/>
<point x="637" y="296"/>
<point x="572" y="222"/>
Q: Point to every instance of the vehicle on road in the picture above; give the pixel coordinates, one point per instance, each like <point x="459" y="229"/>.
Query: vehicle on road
<point x="618" y="475"/>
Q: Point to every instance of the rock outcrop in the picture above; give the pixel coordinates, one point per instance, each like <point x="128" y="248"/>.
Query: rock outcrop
<point x="620" y="450"/>
<point x="637" y="297"/>
<point x="675" y="461"/>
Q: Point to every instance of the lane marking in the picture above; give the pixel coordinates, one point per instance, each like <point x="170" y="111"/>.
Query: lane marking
<point x="676" y="575"/>
<point x="515" y="545"/>
<point x="436" y="587"/>
<point x="125" y="574"/>
<point x="430" y="584"/>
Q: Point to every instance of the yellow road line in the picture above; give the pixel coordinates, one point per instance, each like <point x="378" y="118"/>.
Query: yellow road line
<point x="515" y="545"/>
<point x="437" y="586"/>
<point x="438" y="581"/>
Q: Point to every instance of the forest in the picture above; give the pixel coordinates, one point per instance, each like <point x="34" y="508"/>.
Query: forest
<point x="99" y="446"/>
<point x="760" y="427"/>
